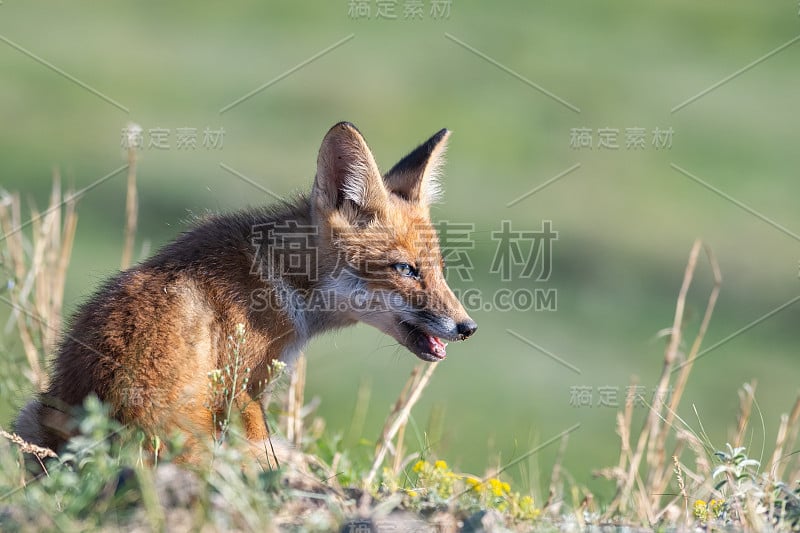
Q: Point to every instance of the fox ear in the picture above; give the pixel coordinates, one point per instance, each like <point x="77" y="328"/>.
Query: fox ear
<point x="416" y="177"/>
<point x="346" y="171"/>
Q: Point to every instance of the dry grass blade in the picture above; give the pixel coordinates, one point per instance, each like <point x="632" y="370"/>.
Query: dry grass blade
<point x="555" y="490"/>
<point x="777" y="463"/>
<point x="650" y="447"/>
<point x="15" y="254"/>
<point x="295" y="399"/>
<point x="686" y="368"/>
<point x="397" y="464"/>
<point x="359" y="416"/>
<point x="660" y="476"/>
<point x="653" y="420"/>
<point x="681" y="486"/>
<point x="27" y="447"/>
<point x="399" y="416"/>
<point x="747" y="395"/>
<point x="619" y="473"/>
<point x="38" y="272"/>
<point x="131" y="202"/>
<point x="658" y="430"/>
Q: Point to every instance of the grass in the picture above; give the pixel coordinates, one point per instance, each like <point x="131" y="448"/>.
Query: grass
<point x="669" y="473"/>
<point x="618" y="264"/>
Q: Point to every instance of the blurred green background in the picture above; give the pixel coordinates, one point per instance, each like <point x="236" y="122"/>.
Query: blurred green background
<point x="626" y="219"/>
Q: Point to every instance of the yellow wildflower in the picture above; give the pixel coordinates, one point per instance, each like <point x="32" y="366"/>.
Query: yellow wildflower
<point x="475" y="484"/>
<point x="701" y="510"/>
<point x="419" y="466"/>
<point x="716" y="507"/>
<point x="522" y="507"/>
<point x="498" y="487"/>
<point x="440" y="465"/>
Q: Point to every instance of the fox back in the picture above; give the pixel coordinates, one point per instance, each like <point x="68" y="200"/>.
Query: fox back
<point x="359" y="248"/>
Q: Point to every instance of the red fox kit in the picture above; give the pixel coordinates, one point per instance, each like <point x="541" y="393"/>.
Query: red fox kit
<point x="359" y="248"/>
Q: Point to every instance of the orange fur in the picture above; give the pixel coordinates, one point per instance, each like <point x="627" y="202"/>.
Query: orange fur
<point x="148" y="340"/>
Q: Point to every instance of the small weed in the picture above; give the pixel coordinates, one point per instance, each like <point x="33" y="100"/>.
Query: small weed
<point x="437" y="486"/>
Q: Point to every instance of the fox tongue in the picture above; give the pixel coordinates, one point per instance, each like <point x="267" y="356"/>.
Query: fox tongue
<point x="436" y="347"/>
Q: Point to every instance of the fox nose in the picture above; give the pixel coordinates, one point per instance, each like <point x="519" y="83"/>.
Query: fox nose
<point x="467" y="328"/>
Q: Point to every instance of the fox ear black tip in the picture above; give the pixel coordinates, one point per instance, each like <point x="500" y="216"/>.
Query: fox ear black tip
<point x="345" y="125"/>
<point x="441" y="134"/>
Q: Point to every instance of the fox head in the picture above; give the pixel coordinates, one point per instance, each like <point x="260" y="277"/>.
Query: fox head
<point x="378" y="243"/>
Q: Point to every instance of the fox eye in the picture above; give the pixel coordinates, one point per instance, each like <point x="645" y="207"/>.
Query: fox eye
<point x="404" y="269"/>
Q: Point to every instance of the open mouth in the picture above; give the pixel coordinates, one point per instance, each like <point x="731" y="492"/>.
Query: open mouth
<point x="425" y="346"/>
